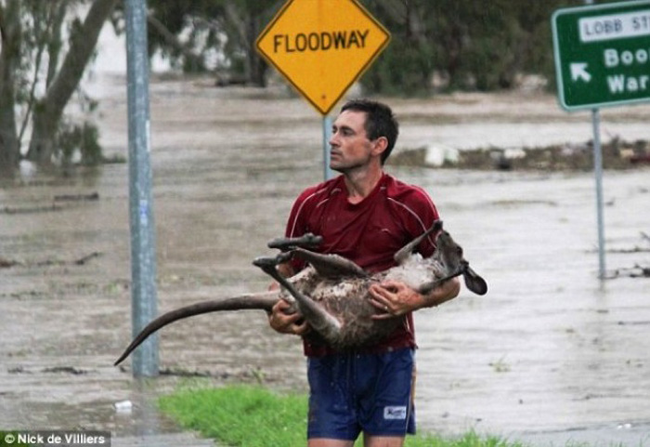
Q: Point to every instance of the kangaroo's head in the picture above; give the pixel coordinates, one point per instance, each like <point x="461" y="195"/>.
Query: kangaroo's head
<point x="448" y="252"/>
<point x="450" y="255"/>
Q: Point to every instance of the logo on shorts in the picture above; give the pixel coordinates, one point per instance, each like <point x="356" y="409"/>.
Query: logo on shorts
<point x="395" y="413"/>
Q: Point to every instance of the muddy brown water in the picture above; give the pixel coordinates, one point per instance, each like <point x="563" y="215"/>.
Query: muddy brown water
<point x="550" y="354"/>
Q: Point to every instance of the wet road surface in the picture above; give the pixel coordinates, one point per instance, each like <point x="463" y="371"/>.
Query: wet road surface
<point x="550" y="354"/>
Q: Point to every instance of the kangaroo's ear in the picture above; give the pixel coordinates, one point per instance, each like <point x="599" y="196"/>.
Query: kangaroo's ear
<point x="474" y="282"/>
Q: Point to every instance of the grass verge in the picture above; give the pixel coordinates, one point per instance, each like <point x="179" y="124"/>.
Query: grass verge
<point x="251" y="416"/>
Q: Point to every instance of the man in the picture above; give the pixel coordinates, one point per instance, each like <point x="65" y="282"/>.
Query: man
<point x="364" y="215"/>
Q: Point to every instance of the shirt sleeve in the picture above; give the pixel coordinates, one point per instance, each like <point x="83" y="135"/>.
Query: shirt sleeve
<point x="297" y="224"/>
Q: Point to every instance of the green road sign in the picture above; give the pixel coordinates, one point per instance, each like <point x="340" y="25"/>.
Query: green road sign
<point x="602" y="54"/>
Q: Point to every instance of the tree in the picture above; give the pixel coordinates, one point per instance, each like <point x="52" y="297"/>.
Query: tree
<point x="471" y="45"/>
<point x="49" y="110"/>
<point x="11" y="34"/>
<point x="406" y="66"/>
<point x="227" y="29"/>
<point x="31" y="59"/>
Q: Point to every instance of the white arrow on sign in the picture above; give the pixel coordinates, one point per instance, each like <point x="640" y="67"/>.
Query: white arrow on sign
<point x="579" y="71"/>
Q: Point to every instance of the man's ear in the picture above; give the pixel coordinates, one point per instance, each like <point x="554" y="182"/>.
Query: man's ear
<point x="379" y="146"/>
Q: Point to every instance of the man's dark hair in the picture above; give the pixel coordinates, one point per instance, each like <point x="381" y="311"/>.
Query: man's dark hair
<point x="380" y="121"/>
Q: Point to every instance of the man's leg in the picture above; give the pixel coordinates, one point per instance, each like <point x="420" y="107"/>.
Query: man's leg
<point x="382" y="441"/>
<point x="323" y="442"/>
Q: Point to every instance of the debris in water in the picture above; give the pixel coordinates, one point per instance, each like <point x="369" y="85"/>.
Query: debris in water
<point x="125" y="406"/>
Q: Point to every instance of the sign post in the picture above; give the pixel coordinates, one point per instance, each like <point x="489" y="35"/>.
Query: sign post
<point x="322" y="47"/>
<point x="602" y="58"/>
<point x="143" y="240"/>
<point x="327" y="134"/>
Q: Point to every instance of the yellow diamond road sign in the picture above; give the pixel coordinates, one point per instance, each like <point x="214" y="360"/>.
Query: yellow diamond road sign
<point x="322" y="47"/>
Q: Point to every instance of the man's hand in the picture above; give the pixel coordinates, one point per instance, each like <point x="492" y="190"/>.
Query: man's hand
<point x="287" y="323"/>
<point x="395" y="298"/>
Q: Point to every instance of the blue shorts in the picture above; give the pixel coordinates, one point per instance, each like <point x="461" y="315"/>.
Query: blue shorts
<point x="351" y="393"/>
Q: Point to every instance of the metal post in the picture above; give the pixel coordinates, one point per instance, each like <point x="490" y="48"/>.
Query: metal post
<point x="598" y="172"/>
<point x="327" y="134"/>
<point x="143" y="253"/>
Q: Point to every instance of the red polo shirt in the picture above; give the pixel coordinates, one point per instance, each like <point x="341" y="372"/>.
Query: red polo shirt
<point x="369" y="233"/>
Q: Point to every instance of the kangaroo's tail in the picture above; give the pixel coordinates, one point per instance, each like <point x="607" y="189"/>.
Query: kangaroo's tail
<point x="264" y="301"/>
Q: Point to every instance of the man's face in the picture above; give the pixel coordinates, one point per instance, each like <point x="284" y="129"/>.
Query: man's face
<point x="350" y="147"/>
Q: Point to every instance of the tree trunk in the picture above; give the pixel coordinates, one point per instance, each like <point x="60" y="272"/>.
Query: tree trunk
<point x="257" y="65"/>
<point x="48" y="112"/>
<point x="10" y="32"/>
<point x="55" y="43"/>
<point x="248" y="28"/>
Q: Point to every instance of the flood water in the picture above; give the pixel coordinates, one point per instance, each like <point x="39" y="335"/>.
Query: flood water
<point x="551" y="354"/>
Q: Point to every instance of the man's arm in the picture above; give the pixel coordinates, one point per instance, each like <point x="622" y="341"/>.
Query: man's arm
<point x="395" y="298"/>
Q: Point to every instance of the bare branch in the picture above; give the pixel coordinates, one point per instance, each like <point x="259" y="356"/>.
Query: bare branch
<point x="2" y="24"/>
<point x="171" y="39"/>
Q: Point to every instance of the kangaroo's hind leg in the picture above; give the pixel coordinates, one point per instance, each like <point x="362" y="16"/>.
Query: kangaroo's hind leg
<point x="315" y="314"/>
<point x="307" y="240"/>
<point x="330" y="266"/>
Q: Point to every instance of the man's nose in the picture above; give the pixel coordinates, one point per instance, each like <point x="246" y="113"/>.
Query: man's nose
<point x="334" y="140"/>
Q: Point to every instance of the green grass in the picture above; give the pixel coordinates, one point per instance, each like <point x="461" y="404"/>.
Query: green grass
<point x="241" y="415"/>
<point x="250" y="416"/>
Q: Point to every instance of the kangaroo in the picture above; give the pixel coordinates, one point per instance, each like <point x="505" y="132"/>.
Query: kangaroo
<point x="332" y="292"/>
